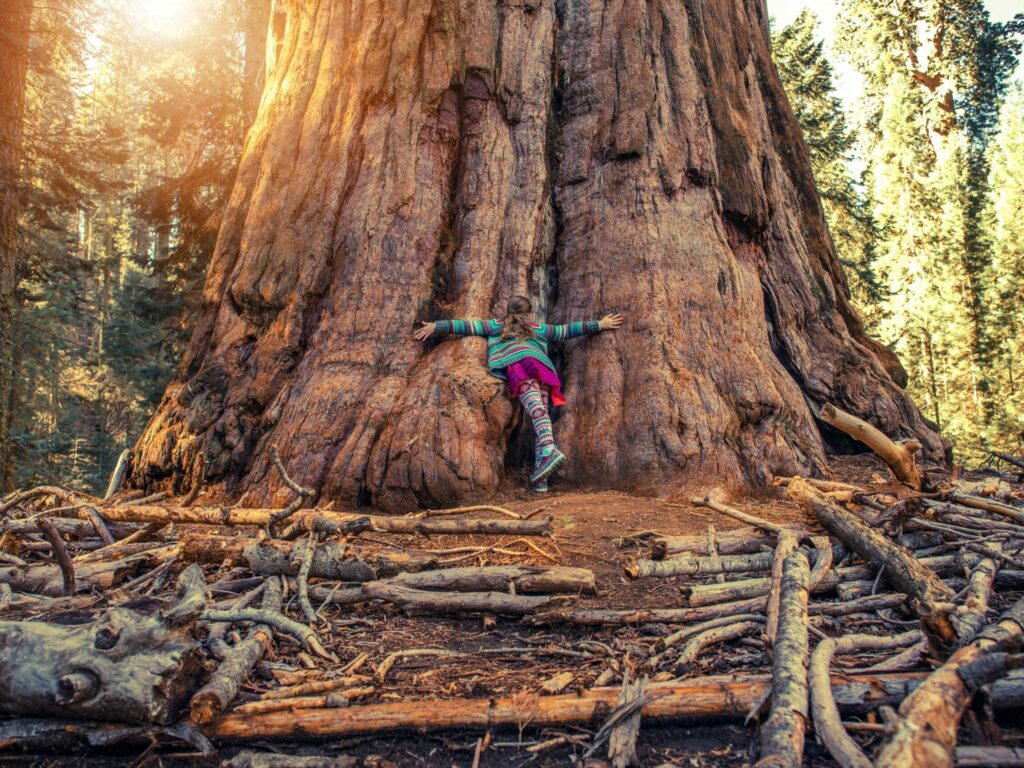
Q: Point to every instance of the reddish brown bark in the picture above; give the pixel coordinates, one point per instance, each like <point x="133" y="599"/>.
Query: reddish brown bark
<point x="413" y="160"/>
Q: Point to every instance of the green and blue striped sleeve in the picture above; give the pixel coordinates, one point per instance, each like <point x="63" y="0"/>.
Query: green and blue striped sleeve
<point x="569" y="330"/>
<point x="468" y="327"/>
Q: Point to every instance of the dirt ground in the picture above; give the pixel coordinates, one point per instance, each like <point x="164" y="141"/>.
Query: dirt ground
<point x="503" y="657"/>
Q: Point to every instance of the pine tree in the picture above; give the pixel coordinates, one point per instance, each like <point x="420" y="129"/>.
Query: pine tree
<point x="933" y="74"/>
<point x="806" y="74"/>
<point x="1004" y="279"/>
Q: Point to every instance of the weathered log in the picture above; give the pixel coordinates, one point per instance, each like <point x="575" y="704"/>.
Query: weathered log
<point x="930" y="716"/>
<point x="823" y="556"/>
<point x="250" y="759"/>
<point x="225" y="683"/>
<point x="125" y="665"/>
<point x="970" y="617"/>
<point x="821" y="485"/>
<point x="49" y="579"/>
<point x="787" y="544"/>
<point x="608" y="617"/>
<point x="900" y="458"/>
<point x="686" y="566"/>
<point x="51" y="734"/>
<point x="720" y="698"/>
<point x="117" y="476"/>
<point x="990" y="757"/>
<point x="739" y="541"/>
<point x="827" y="724"/>
<point x="331" y="560"/>
<point x="782" y="734"/>
<point x="903" y="570"/>
<point x="445" y="602"/>
<point x="988" y="505"/>
<point x="519" y="579"/>
<point x="742" y="589"/>
<point x="328" y="522"/>
<point x="596" y="617"/>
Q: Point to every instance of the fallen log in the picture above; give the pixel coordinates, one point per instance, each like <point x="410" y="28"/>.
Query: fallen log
<point x="716" y="698"/>
<point x="990" y="757"/>
<point x="225" y="683"/>
<point x="930" y="716"/>
<point x="328" y="522"/>
<point x="49" y="579"/>
<point x="782" y="734"/>
<point x="970" y="617"/>
<point x="902" y="569"/>
<point x="597" y="617"/>
<point x="900" y="458"/>
<point x="443" y="602"/>
<point x="125" y="665"/>
<point x="250" y="759"/>
<point x="334" y="560"/>
<point x="787" y="545"/>
<point x="687" y="566"/>
<point x="518" y="579"/>
<point x="742" y="589"/>
<point x="739" y="541"/>
<point x="988" y="505"/>
<point x="827" y="724"/>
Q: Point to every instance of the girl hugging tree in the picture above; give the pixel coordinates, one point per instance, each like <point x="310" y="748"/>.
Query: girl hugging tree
<point x="517" y="351"/>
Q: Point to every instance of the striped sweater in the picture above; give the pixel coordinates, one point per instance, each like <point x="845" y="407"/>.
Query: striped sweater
<point x="503" y="352"/>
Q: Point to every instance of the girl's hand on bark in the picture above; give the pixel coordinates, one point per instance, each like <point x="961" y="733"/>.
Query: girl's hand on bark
<point x="610" y="322"/>
<point x="424" y="332"/>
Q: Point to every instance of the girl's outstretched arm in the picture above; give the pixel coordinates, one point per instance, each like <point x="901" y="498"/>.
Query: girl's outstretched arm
<point x="459" y="328"/>
<point x="572" y="330"/>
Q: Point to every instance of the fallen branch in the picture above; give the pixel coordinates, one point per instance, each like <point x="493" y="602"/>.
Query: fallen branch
<point x="900" y="458"/>
<point x="827" y="724"/>
<point x="696" y="645"/>
<point x="278" y="621"/>
<point x="60" y="553"/>
<point x="224" y="685"/>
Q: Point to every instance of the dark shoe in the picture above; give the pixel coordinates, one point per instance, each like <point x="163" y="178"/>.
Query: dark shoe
<point x="548" y="464"/>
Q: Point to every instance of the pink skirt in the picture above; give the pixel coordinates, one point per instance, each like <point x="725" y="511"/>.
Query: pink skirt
<point x="530" y="368"/>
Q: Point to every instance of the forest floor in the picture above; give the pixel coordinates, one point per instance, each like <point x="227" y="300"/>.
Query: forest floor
<point x="503" y="657"/>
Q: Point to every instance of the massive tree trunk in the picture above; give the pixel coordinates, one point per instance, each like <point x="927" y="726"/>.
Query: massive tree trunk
<point x="15" y="19"/>
<point x="417" y="160"/>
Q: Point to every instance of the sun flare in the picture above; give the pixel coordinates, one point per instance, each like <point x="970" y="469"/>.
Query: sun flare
<point x="163" y="15"/>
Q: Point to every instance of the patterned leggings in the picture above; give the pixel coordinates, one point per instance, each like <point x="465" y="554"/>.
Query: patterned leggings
<point x="534" y="402"/>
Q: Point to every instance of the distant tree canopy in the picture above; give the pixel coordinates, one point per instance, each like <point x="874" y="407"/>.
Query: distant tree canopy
<point x="925" y="253"/>
<point x="131" y="146"/>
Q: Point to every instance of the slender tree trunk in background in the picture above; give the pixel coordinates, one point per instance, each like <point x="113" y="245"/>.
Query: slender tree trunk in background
<point x="15" y="18"/>
<point x="257" y="20"/>
<point x="417" y="160"/>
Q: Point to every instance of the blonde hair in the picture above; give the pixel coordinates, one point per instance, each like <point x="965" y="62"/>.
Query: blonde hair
<point x="517" y="319"/>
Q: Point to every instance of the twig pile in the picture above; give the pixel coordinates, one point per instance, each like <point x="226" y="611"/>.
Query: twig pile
<point x="913" y="591"/>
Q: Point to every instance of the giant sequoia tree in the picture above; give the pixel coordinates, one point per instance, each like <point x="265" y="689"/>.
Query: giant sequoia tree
<point x="414" y="160"/>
